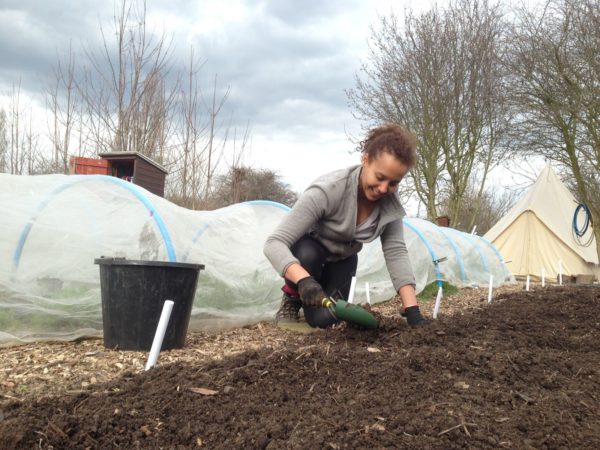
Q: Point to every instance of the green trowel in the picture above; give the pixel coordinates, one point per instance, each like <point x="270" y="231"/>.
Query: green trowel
<point x="348" y="312"/>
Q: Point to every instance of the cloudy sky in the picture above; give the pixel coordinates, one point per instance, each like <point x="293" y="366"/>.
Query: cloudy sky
<point x="287" y="64"/>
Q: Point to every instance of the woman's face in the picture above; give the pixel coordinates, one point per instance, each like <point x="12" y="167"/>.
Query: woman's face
<point x="380" y="176"/>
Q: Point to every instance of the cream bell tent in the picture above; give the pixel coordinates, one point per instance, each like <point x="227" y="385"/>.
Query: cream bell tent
<point x="537" y="235"/>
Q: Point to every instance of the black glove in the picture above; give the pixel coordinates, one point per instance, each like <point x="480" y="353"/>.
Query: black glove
<point x="414" y="317"/>
<point x="311" y="292"/>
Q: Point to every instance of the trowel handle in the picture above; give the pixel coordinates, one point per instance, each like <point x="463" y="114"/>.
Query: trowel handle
<point x="328" y="302"/>
<point x="342" y="310"/>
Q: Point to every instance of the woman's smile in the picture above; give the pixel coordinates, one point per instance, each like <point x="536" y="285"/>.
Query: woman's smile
<point x="381" y="176"/>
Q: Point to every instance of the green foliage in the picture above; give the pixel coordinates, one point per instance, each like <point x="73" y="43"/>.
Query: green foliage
<point x="430" y="291"/>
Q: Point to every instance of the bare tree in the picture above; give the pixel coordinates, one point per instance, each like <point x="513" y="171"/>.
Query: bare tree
<point x="480" y="211"/>
<point x="125" y="90"/>
<point x="17" y="158"/>
<point x="586" y="49"/>
<point x="237" y="168"/>
<point x="555" y="61"/>
<point x="213" y="151"/>
<point x="35" y="162"/>
<point x="442" y="78"/>
<point x="191" y="133"/>
<point x="199" y="140"/>
<point x="21" y="148"/>
<point x="61" y="102"/>
<point x="242" y="184"/>
<point x="128" y="96"/>
<point x="476" y="99"/>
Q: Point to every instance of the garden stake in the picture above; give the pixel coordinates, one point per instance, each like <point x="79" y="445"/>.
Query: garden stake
<point x="560" y="272"/>
<point x="352" y="289"/>
<point x="160" y="333"/>
<point x="438" y="300"/>
<point x="543" y="277"/>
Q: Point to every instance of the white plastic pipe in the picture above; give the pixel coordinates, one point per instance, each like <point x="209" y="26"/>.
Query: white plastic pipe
<point x="368" y="292"/>
<point x="543" y="277"/>
<point x="490" y="288"/>
<point x="527" y="283"/>
<point x="560" y="272"/>
<point x="438" y="300"/>
<point x="165" y="315"/>
<point x="352" y="289"/>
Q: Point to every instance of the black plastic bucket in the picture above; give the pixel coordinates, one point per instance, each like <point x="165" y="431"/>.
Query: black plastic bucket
<point x="133" y="294"/>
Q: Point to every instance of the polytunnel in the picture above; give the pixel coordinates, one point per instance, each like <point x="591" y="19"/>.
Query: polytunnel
<point x="54" y="226"/>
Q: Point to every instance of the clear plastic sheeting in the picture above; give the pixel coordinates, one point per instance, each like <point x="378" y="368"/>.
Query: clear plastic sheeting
<point x="437" y="254"/>
<point x="54" y="226"/>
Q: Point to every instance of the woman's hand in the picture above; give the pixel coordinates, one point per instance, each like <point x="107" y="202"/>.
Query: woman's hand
<point x="311" y="292"/>
<point x="410" y="307"/>
<point x="414" y="317"/>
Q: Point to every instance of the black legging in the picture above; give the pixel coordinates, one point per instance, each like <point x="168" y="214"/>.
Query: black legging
<point x="334" y="277"/>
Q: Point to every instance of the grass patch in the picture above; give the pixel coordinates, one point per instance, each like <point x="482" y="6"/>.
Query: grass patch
<point x="430" y="291"/>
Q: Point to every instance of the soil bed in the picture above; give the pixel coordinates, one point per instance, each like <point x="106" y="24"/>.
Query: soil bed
<point x="521" y="372"/>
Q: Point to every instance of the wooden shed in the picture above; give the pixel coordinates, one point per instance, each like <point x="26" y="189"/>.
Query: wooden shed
<point x="137" y="168"/>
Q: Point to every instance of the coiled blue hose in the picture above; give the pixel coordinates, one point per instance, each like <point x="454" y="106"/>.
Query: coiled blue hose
<point x="580" y="232"/>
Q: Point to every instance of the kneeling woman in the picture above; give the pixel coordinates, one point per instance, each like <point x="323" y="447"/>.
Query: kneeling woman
<point x="315" y="246"/>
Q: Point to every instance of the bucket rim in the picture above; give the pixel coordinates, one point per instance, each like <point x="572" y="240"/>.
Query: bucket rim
<point x="117" y="261"/>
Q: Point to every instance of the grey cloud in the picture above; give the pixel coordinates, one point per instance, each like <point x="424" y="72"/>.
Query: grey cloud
<point x="304" y="12"/>
<point x="34" y="34"/>
<point x="287" y="67"/>
<point x="26" y="48"/>
<point x="280" y="74"/>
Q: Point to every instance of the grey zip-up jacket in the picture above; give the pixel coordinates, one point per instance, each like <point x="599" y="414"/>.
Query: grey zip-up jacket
<point x="327" y="211"/>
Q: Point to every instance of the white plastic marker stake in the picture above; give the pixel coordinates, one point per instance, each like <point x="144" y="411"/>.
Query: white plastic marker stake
<point x="160" y="333"/>
<point x="527" y="283"/>
<point x="352" y="289"/>
<point x="560" y="272"/>
<point x="543" y="277"/>
<point x="490" y="288"/>
<point x="368" y="293"/>
<point x="438" y="300"/>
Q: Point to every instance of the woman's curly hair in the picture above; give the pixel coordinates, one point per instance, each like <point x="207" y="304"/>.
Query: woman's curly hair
<point x="393" y="139"/>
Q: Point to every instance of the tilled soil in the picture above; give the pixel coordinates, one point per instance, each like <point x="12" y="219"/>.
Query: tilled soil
<point x="522" y="372"/>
